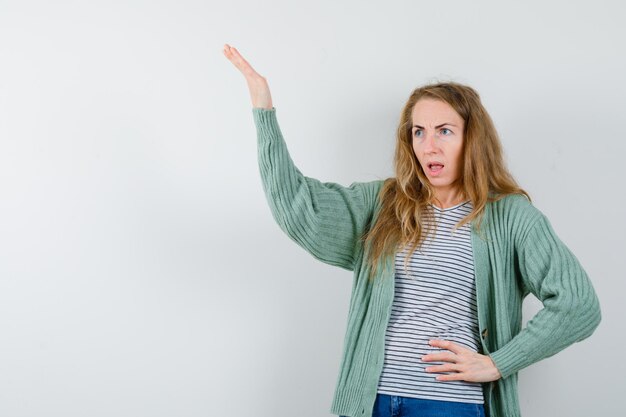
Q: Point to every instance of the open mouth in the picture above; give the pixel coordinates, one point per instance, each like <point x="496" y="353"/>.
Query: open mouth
<point x="435" y="167"/>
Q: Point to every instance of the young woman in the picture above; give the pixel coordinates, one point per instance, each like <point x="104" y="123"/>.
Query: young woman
<point x="443" y="255"/>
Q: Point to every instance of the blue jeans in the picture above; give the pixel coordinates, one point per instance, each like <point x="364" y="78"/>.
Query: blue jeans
<point x="395" y="406"/>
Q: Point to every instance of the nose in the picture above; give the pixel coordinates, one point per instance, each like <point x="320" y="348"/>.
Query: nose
<point x="430" y="142"/>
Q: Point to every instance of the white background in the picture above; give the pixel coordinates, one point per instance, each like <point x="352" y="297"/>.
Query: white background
<point x="141" y="272"/>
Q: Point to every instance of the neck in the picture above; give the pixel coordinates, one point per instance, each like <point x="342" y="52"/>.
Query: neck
<point x="450" y="199"/>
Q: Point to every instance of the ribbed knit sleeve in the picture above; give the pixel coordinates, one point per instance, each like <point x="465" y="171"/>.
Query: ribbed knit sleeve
<point x="571" y="309"/>
<point x="326" y="219"/>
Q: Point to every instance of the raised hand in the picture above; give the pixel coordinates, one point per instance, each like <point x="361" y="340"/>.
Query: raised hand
<point x="466" y="364"/>
<point x="259" y="89"/>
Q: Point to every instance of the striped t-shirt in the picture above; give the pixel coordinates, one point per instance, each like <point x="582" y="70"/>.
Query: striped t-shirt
<point x="435" y="298"/>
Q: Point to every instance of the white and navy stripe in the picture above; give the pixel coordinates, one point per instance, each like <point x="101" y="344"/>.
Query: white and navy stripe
<point x="435" y="298"/>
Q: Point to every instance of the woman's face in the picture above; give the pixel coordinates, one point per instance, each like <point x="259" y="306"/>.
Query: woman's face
<point x="437" y="135"/>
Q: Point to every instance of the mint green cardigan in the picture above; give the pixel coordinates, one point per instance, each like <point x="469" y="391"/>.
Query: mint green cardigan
<point x="516" y="253"/>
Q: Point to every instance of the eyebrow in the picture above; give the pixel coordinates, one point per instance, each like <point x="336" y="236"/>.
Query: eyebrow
<point x="436" y="127"/>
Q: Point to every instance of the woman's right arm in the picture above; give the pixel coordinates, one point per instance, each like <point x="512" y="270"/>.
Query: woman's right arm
<point x="326" y="219"/>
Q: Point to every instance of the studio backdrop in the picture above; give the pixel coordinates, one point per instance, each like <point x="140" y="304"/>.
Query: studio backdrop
<point x="141" y="271"/>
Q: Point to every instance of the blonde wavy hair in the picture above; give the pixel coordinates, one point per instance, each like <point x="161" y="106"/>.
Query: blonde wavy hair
<point x="405" y="199"/>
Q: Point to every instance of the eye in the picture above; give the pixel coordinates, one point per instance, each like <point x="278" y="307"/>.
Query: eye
<point x="418" y="133"/>
<point x="446" y="131"/>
